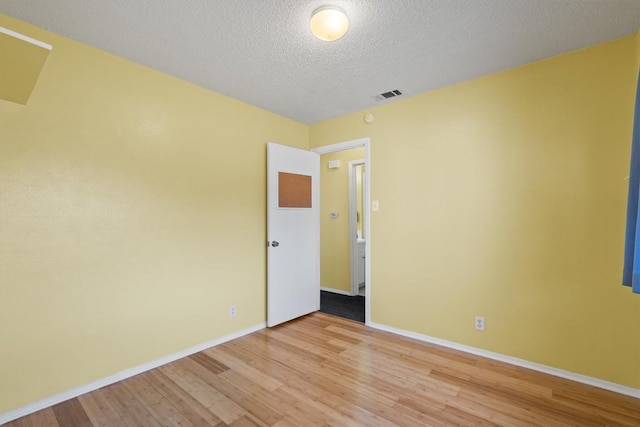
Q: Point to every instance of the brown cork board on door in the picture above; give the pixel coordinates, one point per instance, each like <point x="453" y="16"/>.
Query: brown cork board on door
<point x="294" y="191"/>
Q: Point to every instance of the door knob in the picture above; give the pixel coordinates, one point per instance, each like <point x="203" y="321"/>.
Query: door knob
<point x="275" y="244"/>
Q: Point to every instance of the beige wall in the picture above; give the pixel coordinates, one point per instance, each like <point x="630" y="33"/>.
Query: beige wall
<point x="132" y="215"/>
<point x="21" y="62"/>
<point x="335" y="264"/>
<point x="505" y="197"/>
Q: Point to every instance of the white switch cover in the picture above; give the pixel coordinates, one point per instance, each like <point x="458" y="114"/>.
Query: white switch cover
<point x="375" y="206"/>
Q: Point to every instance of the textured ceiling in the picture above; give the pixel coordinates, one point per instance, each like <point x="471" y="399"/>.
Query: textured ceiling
<point x="261" y="51"/>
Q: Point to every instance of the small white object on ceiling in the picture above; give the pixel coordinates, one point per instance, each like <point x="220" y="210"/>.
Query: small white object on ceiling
<point x="329" y="23"/>
<point x="334" y="164"/>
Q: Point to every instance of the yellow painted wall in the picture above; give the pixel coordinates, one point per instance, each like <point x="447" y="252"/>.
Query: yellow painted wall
<point x="505" y="197"/>
<point x="132" y="214"/>
<point x="20" y="65"/>
<point x="335" y="264"/>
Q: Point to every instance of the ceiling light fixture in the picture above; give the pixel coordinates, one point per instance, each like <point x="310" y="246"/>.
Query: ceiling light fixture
<point x="329" y="23"/>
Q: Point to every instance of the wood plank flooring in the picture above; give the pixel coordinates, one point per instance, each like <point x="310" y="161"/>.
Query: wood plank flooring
<point x="321" y="370"/>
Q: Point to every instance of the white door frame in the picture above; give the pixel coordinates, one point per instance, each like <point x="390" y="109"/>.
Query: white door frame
<point x="353" y="225"/>
<point x="356" y="143"/>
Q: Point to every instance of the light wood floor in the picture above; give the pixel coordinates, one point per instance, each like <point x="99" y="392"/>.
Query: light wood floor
<point x="322" y="370"/>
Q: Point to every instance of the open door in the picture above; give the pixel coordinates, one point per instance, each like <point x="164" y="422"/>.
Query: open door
<point x="293" y="233"/>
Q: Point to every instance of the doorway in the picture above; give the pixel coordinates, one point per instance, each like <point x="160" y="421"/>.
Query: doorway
<point x="357" y="238"/>
<point x="345" y="229"/>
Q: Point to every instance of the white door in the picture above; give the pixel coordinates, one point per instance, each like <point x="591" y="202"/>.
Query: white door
<point x="293" y="233"/>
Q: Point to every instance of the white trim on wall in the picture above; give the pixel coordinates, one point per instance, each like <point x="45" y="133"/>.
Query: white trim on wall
<point x="595" y="382"/>
<point x="353" y="227"/>
<point x="25" y="38"/>
<point x="356" y="143"/>
<point x="70" y="394"/>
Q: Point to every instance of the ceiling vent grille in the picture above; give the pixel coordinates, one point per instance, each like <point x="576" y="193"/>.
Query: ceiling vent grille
<point x="387" y="95"/>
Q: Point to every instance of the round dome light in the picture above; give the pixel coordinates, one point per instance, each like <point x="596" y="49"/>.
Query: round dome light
<point x="329" y="23"/>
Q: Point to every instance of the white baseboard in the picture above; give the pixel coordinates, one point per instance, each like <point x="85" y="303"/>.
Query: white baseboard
<point x="618" y="388"/>
<point x="70" y="394"/>
<point x="337" y="291"/>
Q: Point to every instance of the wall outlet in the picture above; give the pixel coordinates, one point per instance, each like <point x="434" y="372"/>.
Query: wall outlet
<point x="232" y="311"/>
<point x="479" y="323"/>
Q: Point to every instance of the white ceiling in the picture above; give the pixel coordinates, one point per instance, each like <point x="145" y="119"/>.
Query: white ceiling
<point x="261" y="51"/>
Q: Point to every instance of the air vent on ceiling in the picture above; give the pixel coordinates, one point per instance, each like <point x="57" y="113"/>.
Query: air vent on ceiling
<point x="387" y="95"/>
